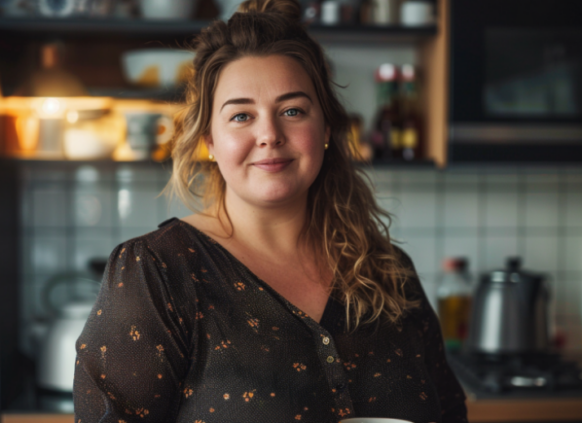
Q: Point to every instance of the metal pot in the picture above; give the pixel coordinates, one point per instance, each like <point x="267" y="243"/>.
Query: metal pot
<point x="510" y="312"/>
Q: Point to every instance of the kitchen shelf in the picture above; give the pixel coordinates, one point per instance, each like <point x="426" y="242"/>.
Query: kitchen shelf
<point x="103" y="26"/>
<point x="151" y="28"/>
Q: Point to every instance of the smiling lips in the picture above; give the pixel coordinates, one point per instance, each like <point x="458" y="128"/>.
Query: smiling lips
<point x="272" y="165"/>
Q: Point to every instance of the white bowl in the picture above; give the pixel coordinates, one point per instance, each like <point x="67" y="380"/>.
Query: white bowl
<point x="167" y="9"/>
<point x="162" y="67"/>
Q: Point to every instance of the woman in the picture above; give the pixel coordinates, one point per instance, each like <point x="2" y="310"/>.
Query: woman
<point x="283" y="301"/>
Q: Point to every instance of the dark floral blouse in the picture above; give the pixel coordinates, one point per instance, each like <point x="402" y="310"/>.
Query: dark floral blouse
<point x="183" y="332"/>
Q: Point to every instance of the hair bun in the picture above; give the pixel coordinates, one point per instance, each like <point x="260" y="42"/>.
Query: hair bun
<point x="290" y="8"/>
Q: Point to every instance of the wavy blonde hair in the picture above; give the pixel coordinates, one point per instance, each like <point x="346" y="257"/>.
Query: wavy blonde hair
<point x="344" y="223"/>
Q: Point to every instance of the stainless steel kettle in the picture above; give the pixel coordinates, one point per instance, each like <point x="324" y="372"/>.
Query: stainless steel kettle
<point x="510" y="312"/>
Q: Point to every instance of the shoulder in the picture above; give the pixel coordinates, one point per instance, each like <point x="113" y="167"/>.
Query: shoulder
<point x="413" y="288"/>
<point x="402" y="257"/>
<point x="168" y="251"/>
<point x="172" y="238"/>
<point x="405" y="262"/>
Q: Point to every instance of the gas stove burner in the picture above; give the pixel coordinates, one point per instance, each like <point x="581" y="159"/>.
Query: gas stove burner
<point x="528" y="382"/>
<point x="523" y="373"/>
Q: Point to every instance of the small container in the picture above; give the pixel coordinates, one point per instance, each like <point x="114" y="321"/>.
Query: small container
<point x="417" y="13"/>
<point x="312" y="12"/>
<point x="330" y="12"/>
<point x="385" y="12"/>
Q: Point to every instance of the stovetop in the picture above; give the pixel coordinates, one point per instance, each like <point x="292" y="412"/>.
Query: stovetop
<point x="527" y="375"/>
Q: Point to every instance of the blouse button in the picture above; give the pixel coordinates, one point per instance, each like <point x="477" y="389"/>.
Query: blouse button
<point x="330" y="359"/>
<point x="325" y="341"/>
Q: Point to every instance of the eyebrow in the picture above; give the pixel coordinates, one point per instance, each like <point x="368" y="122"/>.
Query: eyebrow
<point x="282" y="97"/>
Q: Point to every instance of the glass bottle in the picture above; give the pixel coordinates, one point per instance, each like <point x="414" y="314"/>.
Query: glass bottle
<point x="411" y="139"/>
<point x="386" y="130"/>
<point x="454" y="297"/>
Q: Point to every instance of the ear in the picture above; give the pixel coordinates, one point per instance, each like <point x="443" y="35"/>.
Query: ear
<point x="327" y="134"/>
<point x="207" y="139"/>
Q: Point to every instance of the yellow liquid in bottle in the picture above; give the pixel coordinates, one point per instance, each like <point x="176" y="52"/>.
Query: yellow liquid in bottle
<point x="454" y="314"/>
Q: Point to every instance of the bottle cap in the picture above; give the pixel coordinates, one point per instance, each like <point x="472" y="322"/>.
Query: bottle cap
<point x="386" y="73"/>
<point x="455" y="264"/>
<point x="408" y="72"/>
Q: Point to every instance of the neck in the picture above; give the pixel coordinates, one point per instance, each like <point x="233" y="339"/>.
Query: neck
<point x="274" y="229"/>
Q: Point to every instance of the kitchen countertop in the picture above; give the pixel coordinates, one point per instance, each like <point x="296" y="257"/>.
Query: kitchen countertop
<point x="525" y="410"/>
<point x="480" y="411"/>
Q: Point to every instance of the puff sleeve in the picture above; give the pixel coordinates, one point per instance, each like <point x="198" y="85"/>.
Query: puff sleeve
<point x="131" y="355"/>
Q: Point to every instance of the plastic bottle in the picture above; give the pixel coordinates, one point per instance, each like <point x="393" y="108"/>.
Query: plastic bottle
<point x="454" y="296"/>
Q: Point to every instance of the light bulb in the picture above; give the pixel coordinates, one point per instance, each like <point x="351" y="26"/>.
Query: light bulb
<point x="51" y="107"/>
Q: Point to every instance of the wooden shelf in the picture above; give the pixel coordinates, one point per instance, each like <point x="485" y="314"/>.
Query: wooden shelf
<point x="142" y="28"/>
<point x="149" y="28"/>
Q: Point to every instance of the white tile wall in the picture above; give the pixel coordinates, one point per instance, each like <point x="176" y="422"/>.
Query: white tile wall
<point x="501" y="209"/>
<point x="484" y="214"/>
<point x="573" y="253"/>
<point x="541" y="209"/>
<point x="461" y="209"/>
<point x="48" y="254"/>
<point x="503" y="179"/>
<point x="574" y="207"/>
<point x="496" y="249"/>
<point x="93" y="205"/>
<point x="137" y="207"/>
<point x="423" y="252"/>
<point x="541" y="253"/>
<point x="417" y="209"/>
<point x="49" y="205"/>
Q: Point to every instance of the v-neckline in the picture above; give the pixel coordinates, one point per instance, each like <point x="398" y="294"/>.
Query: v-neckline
<point x="328" y="305"/>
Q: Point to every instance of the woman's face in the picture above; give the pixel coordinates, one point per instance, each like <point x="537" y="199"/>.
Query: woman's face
<point x="267" y="130"/>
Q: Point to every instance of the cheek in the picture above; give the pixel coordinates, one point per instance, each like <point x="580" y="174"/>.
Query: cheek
<point x="310" y="140"/>
<point x="229" y="147"/>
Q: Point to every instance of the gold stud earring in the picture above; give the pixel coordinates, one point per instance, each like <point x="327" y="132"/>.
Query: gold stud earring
<point x="326" y="145"/>
<point x="211" y="157"/>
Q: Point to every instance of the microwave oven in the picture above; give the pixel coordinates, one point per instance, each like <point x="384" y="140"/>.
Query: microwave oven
<point x="515" y="81"/>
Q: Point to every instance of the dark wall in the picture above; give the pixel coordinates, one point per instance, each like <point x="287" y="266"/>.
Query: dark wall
<point x="9" y="282"/>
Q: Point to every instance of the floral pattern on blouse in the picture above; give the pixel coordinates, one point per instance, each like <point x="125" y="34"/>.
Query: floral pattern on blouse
<point x="183" y="332"/>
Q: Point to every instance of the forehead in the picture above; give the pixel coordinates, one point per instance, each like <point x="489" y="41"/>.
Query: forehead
<point x="262" y="77"/>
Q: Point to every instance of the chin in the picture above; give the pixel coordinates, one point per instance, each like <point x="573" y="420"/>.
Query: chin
<point x="279" y="195"/>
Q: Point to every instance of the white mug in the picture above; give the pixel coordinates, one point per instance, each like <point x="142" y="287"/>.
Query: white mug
<point x="143" y="132"/>
<point x="330" y="12"/>
<point x="373" y="420"/>
<point x="416" y="13"/>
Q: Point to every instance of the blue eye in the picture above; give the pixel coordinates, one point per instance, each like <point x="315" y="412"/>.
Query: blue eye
<point x="241" y="117"/>
<point x="292" y="112"/>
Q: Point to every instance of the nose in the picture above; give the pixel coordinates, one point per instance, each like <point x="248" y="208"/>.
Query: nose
<point x="269" y="132"/>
